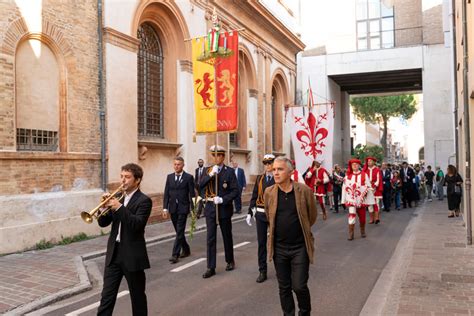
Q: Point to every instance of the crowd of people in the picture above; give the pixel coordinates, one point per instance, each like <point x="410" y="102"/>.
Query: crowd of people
<point x="283" y="206"/>
<point x="401" y="185"/>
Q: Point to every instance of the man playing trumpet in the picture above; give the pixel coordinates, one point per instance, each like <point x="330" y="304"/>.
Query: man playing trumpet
<point x="126" y="249"/>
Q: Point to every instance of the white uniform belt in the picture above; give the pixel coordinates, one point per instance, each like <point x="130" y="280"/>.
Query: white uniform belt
<point x="260" y="209"/>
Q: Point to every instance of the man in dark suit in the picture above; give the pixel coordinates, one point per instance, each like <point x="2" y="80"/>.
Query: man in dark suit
<point x="407" y="175"/>
<point x="242" y="182"/>
<point x="257" y="210"/>
<point x="387" y="187"/>
<point x="218" y="209"/>
<point x="198" y="173"/>
<point x="177" y="199"/>
<point x="126" y="249"/>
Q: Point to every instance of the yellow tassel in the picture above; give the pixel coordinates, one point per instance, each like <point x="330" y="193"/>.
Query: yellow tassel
<point x="250" y="133"/>
<point x="194" y="137"/>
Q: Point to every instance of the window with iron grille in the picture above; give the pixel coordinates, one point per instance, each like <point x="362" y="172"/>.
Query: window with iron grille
<point x="150" y="83"/>
<point x="233" y="139"/>
<point x="36" y="140"/>
<point x="375" y="25"/>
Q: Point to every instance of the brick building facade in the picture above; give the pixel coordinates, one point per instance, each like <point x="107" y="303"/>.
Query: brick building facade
<point x="50" y="134"/>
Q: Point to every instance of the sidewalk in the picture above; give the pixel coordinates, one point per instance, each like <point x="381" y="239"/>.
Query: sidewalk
<point x="431" y="271"/>
<point x="34" y="279"/>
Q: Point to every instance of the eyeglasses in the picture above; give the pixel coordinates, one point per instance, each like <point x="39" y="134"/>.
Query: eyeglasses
<point x="267" y="163"/>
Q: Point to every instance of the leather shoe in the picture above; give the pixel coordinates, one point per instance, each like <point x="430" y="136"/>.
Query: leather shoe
<point x="262" y="277"/>
<point x="185" y="254"/>
<point x="173" y="259"/>
<point x="230" y="266"/>
<point x="209" y="273"/>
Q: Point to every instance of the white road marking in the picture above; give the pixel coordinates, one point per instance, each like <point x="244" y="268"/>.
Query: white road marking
<point x="92" y="306"/>
<point x="187" y="265"/>
<point x="192" y="263"/>
<point x="242" y="244"/>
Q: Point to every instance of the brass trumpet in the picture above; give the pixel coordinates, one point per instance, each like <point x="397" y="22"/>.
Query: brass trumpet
<point x="88" y="217"/>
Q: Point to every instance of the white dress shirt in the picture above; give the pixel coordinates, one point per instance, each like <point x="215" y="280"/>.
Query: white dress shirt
<point x="125" y="203"/>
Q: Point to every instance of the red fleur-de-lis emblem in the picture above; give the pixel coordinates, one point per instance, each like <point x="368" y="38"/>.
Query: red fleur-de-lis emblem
<point x="312" y="136"/>
<point x="354" y="191"/>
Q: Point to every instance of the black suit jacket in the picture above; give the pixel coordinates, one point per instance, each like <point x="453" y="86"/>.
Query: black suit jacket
<point x="182" y="192"/>
<point x="387" y="178"/>
<point x="228" y="190"/>
<point x="197" y="179"/>
<point x="133" y="219"/>
<point x="409" y="177"/>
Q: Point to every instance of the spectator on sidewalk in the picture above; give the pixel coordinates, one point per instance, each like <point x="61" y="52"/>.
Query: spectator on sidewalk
<point x="453" y="181"/>
<point x="439" y="183"/>
<point x="198" y="173"/>
<point x="429" y="176"/>
<point x="337" y="178"/>
<point x="407" y="175"/>
<point x="397" y="189"/>
<point x="291" y="211"/>
<point x="387" y="187"/>
<point x="242" y="182"/>
<point x="177" y="201"/>
<point x="126" y="249"/>
<point x="416" y="186"/>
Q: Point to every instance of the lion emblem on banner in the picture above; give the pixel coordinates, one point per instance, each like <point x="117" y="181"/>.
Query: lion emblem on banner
<point x="203" y="88"/>
<point x="226" y="87"/>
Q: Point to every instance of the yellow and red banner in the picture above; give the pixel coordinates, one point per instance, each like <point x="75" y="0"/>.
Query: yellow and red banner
<point x="216" y="83"/>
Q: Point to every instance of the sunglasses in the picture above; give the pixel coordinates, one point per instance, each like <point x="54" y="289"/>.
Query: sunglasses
<point x="267" y="163"/>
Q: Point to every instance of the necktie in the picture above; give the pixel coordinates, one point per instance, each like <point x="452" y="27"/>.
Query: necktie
<point x="177" y="178"/>
<point x="269" y="178"/>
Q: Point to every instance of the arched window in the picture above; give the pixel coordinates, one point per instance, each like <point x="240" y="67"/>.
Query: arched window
<point x="150" y="83"/>
<point x="37" y="82"/>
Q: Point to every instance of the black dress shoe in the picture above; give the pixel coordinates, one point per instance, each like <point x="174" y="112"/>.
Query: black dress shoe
<point x="173" y="259"/>
<point x="209" y="273"/>
<point x="262" y="277"/>
<point x="185" y="254"/>
<point x="230" y="266"/>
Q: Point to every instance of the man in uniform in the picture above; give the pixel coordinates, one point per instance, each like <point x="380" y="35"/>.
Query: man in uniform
<point x="375" y="188"/>
<point x="257" y="210"/>
<point x="218" y="208"/>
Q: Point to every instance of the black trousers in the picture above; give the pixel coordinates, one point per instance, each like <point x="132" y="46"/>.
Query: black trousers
<point x="387" y="196"/>
<point x="238" y="201"/>
<point x="262" y="229"/>
<point x="407" y="195"/>
<point x="226" y="230"/>
<point x="337" y="195"/>
<point x="180" y="243"/>
<point x="113" y="275"/>
<point x="292" y="270"/>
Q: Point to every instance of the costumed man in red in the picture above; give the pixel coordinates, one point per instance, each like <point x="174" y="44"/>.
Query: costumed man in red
<point x="295" y="176"/>
<point x="376" y="188"/>
<point x="316" y="177"/>
<point x="354" y="196"/>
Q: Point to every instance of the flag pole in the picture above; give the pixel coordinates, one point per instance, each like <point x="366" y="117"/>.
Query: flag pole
<point x="217" y="180"/>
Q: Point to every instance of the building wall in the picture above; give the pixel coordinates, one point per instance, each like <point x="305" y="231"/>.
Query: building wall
<point x="461" y="122"/>
<point x="43" y="193"/>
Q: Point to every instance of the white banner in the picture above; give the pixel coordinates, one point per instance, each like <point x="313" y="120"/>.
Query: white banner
<point x="312" y="135"/>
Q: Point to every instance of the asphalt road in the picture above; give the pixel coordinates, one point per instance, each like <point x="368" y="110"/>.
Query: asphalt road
<point x="340" y="280"/>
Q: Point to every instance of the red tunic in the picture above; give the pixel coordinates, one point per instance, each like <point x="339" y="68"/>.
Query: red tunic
<point x="318" y="174"/>
<point x="375" y="176"/>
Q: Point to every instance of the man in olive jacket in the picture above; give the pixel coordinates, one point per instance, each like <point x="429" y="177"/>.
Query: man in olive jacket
<point x="291" y="211"/>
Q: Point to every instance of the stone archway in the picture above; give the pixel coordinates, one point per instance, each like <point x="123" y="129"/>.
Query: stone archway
<point x="278" y="98"/>
<point x="170" y="26"/>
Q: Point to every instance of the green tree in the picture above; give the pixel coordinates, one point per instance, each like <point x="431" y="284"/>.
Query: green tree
<point x="362" y="151"/>
<point x="381" y="109"/>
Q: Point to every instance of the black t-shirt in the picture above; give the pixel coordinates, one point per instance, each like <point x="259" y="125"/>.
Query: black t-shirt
<point x="288" y="229"/>
<point x="429" y="175"/>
